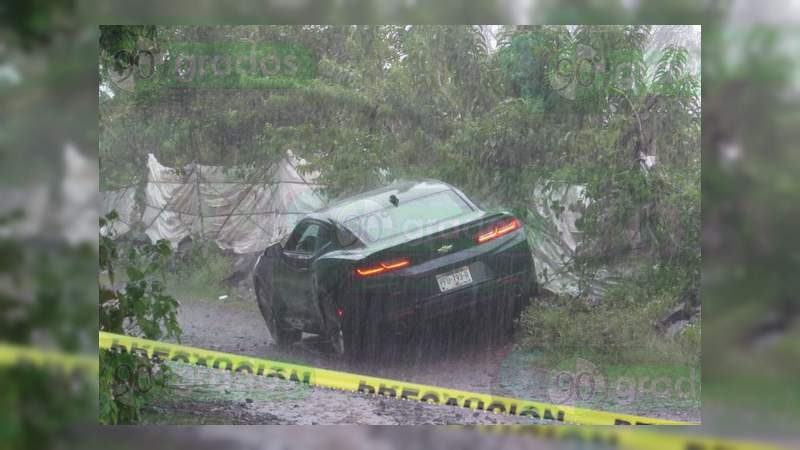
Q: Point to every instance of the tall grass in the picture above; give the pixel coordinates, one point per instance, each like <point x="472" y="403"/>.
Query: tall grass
<point x="198" y="273"/>
<point x="620" y="328"/>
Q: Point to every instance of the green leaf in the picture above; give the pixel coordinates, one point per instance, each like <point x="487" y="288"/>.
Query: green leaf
<point x="134" y="274"/>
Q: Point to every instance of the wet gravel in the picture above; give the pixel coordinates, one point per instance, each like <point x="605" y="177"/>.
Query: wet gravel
<point x="459" y="354"/>
<point x="454" y="358"/>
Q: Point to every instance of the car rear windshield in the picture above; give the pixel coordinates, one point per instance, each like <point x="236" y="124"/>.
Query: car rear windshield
<point x="409" y="216"/>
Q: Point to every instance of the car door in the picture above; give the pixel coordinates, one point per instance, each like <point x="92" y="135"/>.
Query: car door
<point x="309" y="240"/>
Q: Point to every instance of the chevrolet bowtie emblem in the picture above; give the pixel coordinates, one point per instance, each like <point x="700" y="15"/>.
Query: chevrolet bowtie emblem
<point x="444" y="249"/>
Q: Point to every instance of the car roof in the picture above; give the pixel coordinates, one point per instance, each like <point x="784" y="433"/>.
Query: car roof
<point x="378" y="199"/>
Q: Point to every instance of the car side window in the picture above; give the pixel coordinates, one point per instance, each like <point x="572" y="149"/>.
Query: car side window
<point x="309" y="237"/>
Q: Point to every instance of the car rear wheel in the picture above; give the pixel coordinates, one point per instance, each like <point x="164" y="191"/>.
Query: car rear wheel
<point x="504" y="318"/>
<point x="518" y="304"/>
<point x="337" y="342"/>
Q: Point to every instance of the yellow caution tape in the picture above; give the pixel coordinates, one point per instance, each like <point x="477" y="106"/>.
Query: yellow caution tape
<point x="371" y="385"/>
<point x="624" y="438"/>
<point x="15" y="355"/>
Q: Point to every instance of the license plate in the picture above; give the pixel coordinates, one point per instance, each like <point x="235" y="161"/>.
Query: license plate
<point x="451" y="280"/>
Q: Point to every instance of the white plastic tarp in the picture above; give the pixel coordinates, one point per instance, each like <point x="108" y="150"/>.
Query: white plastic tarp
<point x="555" y="210"/>
<point x="241" y="211"/>
<point x="123" y="202"/>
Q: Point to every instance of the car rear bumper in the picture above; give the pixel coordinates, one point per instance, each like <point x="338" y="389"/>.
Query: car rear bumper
<point x="500" y="293"/>
<point x="503" y="277"/>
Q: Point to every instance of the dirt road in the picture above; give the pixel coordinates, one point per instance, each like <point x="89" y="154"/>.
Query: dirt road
<point x="236" y="326"/>
<point x="453" y="357"/>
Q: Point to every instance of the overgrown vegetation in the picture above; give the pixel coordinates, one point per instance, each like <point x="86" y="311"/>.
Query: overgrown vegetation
<point x="614" y="108"/>
<point x="622" y="328"/>
<point x="132" y="302"/>
<point x="199" y="271"/>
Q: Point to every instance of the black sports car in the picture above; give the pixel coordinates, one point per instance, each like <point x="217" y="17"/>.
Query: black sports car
<point x="386" y="260"/>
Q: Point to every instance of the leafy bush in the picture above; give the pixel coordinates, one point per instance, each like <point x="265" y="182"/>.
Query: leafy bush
<point x="138" y="307"/>
<point x="690" y="342"/>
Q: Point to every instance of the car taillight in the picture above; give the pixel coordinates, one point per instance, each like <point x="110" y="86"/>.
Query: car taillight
<point x="499" y="229"/>
<point x="386" y="266"/>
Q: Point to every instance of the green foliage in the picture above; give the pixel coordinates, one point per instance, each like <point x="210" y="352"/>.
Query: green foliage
<point x="119" y="44"/>
<point x="127" y="383"/>
<point x="136" y="306"/>
<point x="690" y="342"/>
<point x="29" y="24"/>
<point x="141" y="306"/>
<point x="620" y="328"/>
<point x="199" y="271"/>
<point x="39" y="404"/>
<point x="528" y="61"/>
<point x="43" y="303"/>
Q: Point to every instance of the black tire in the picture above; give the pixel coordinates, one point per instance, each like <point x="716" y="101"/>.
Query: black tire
<point x="512" y="319"/>
<point x="518" y="305"/>
<point x="504" y="319"/>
